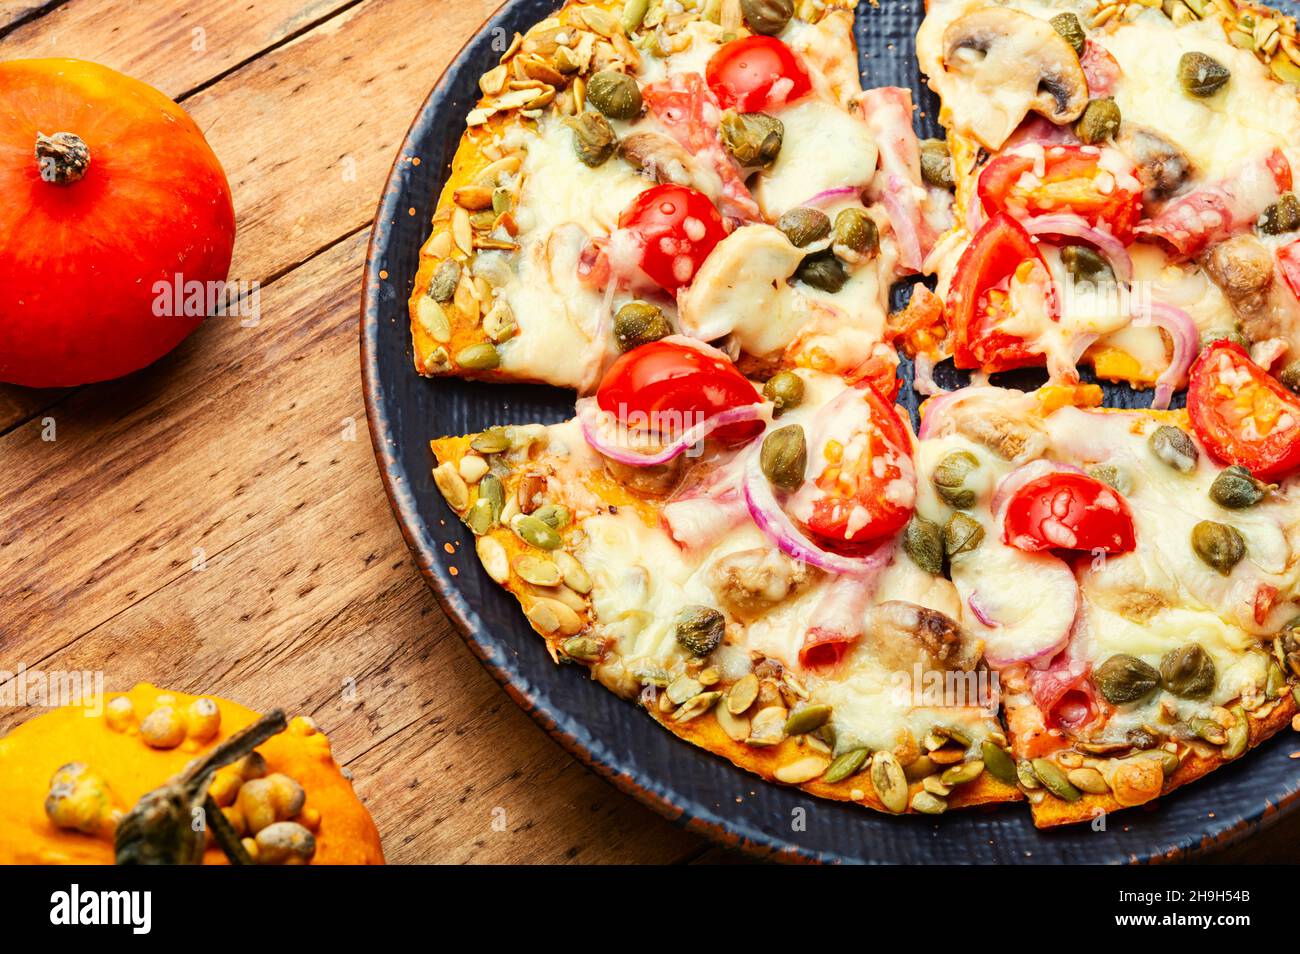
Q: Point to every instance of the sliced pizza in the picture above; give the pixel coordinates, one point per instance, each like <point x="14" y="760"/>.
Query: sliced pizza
<point x="1135" y="583"/>
<point x="1123" y="186"/>
<point x="635" y="170"/>
<point x="668" y="538"/>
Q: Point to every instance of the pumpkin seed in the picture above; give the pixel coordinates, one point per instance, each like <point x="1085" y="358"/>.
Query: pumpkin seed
<point x="535" y="532"/>
<point x="961" y="774"/>
<point x="845" y="765"/>
<point x="785" y="390"/>
<point x="479" y="357"/>
<point x="1174" y="446"/>
<point x="699" y="629"/>
<point x="481" y="517"/>
<point x="1088" y="780"/>
<point x="804" y="770"/>
<point x="552" y="616"/>
<point x="919" y="768"/>
<point x="634" y="12"/>
<point x="499" y="323"/>
<point x="1207" y="729"/>
<point x="709" y="676"/>
<point x="1169" y="762"/>
<point x="574" y="573"/>
<point x="452" y="485"/>
<point x="1188" y="671"/>
<point x="999" y="764"/>
<point x="1123" y="678"/>
<point x="491" y="490"/>
<point x="784" y="457"/>
<point x="537" y="570"/>
<point x="473" y="468"/>
<point x="649" y="675"/>
<point x="442" y="287"/>
<point x="683" y="688"/>
<point x="493" y="557"/>
<point x="437" y="360"/>
<point x="1025" y="775"/>
<point x="742" y="694"/>
<point x="807" y="718"/>
<point x="1275" y="681"/>
<point x="1055" y="780"/>
<point x="928" y="804"/>
<point x="696" y="707"/>
<point x="433" y="320"/>
<point x="736" y="727"/>
<point x="935" y="786"/>
<point x="586" y="649"/>
<point x="888" y="781"/>
<point x="492" y="441"/>
<point x="555" y="516"/>
<point x="768" y="726"/>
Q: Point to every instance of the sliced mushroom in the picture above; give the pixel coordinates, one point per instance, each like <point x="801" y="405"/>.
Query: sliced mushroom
<point x="1163" y="167"/>
<point x="749" y="582"/>
<point x="1243" y="267"/>
<point x="1011" y="64"/>
<point x="657" y="157"/>
<point x="897" y="622"/>
<point x="1011" y="438"/>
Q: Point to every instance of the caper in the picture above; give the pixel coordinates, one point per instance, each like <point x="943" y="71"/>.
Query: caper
<point x="753" y="139"/>
<point x="823" y="271"/>
<point x="1219" y="546"/>
<point x="804" y="226"/>
<point x="949" y="479"/>
<point x="998" y="762"/>
<point x="1174" y="446"/>
<point x="593" y="138"/>
<point x="535" y="532"/>
<point x="784" y="389"/>
<point x="961" y="534"/>
<point x="1099" y="122"/>
<point x="1084" y="264"/>
<point x="1188" y="671"/>
<point x="856" y="234"/>
<point x="1207" y="730"/>
<point x="614" y="94"/>
<point x="1235" y="488"/>
<point x="850" y="763"/>
<point x="1282" y="216"/>
<point x="1113" y="476"/>
<point x="1123" y="678"/>
<point x="784" y="457"/>
<point x="1069" y="27"/>
<point x="1290" y="376"/>
<point x="639" y="323"/>
<point x="1201" y="74"/>
<point x="445" y="279"/>
<point x="768" y="17"/>
<point x="479" y="357"/>
<point x="936" y="164"/>
<point x="923" y="542"/>
<point x="699" y="629"/>
<point x="1055" y="781"/>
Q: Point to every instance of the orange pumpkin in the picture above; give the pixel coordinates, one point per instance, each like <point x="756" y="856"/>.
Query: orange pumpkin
<point x="110" y="195"/>
<point x="68" y="779"/>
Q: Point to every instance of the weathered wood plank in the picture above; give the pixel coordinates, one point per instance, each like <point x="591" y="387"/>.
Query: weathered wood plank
<point x="14" y="11"/>
<point x="175" y="47"/>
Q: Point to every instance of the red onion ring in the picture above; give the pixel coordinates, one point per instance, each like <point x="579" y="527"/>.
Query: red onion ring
<point x="933" y="411"/>
<point x="790" y="540"/>
<point x="905" y="233"/>
<point x="1186" y="340"/>
<point x="979" y="612"/>
<point x="589" y="419"/>
<point x="829" y="196"/>
<point x="1074" y="226"/>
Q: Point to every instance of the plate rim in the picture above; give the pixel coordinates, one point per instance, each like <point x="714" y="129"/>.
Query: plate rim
<point x="651" y="792"/>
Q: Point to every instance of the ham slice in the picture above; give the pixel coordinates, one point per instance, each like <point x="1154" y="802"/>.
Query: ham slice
<point x="840" y="617"/>
<point x="899" y="188"/>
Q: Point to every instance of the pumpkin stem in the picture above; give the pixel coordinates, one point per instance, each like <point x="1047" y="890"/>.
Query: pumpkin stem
<point x="224" y="834"/>
<point x="63" y="158"/>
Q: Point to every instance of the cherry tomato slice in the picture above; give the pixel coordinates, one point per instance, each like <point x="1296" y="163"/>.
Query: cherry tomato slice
<point x="865" y="483"/>
<point x="1072" y="181"/>
<point x="1241" y="414"/>
<point x="678" y="228"/>
<point x="994" y="255"/>
<point x="756" y="73"/>
<point x="1068" y="511"/>
<point x="669" y="386"/>
<point x="1288" y="263"/>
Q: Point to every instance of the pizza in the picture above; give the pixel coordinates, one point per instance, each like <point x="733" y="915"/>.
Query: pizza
<point x="637" y="170"/>
<point x="1124" y="185"/>
<point x="1030" y="597"/>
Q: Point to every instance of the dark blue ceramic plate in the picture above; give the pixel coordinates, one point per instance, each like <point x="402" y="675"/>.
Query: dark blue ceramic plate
<point x="616" y="738"/>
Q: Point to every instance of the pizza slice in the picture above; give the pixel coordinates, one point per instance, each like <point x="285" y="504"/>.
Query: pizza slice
<point x="1134" y="575"/>
<point x="1123" y="187"/>
<point x="737" y="561"/>
<point x="638" y="169"/>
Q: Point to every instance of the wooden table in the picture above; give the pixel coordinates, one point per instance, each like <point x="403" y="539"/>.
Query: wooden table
<point x="216" y="523"/>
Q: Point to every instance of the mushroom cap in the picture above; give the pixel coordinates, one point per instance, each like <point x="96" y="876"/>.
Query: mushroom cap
<point x="1014" y="63"/>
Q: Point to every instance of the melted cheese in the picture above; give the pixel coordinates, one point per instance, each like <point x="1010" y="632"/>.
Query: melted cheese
<point x="824" y="147"/>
